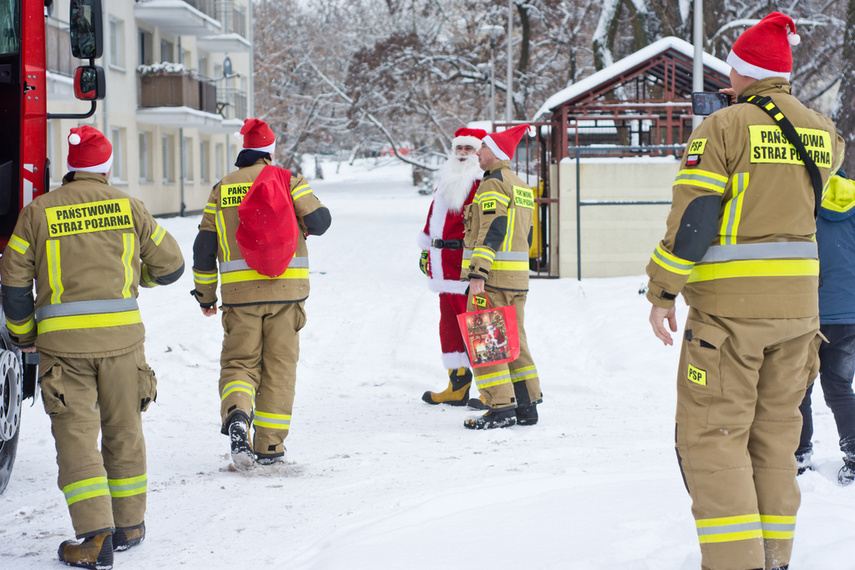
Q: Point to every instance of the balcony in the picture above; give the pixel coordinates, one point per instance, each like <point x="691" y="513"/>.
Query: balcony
<point x="177" y="98"/>
<point x="180" y="17"/>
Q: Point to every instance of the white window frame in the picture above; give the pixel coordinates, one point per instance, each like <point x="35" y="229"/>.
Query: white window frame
<point x="166" y="155"/>
<point x="117" y="43"/>
<point x="143" y="139"/>
<point x="116" y="137"/>
<point x="204" y="169"/>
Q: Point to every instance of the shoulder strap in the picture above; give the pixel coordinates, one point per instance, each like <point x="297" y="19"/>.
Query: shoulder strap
<point x="790" y="133"/>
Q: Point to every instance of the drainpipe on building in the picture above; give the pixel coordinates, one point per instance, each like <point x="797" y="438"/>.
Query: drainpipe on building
<point x="181" y="169"/>
<point x="698" y="67"/>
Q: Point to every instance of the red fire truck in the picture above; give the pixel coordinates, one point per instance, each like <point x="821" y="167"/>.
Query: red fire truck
<point x="24" y="167"/>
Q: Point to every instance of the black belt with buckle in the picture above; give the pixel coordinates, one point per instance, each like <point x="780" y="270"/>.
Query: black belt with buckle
<point x="447" y="243"/>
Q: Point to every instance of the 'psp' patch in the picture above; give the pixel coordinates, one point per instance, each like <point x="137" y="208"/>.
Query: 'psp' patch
<point x="480" y="301"/>
<point x="697" y="376"/>
<point x="697" y="146"/>
<point x="488" y="205"/>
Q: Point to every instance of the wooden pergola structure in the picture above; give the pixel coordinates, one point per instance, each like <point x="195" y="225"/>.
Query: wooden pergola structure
<point x="644" y="99"/>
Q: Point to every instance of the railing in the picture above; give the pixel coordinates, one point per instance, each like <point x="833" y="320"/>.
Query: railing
<point x="232" y="17"/>
<point x="232" y="103"/>
<point x="177" y="90"/>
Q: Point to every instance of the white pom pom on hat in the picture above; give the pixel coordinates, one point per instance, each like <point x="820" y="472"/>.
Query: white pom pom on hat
<point x="74" y="138"/>
<point x="794" y="39"/>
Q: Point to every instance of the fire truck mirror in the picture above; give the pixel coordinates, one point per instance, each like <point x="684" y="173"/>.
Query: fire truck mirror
<point x="89" y="83"/>
<point x="86" y="24"/>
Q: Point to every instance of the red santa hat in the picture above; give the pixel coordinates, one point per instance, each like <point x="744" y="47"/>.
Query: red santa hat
<point x="258" y="136"/>
<point x="465" y="136"/>
<point x="89" y="150"/>
<point x="505" y="143"/>
<point x="763" y="50"/>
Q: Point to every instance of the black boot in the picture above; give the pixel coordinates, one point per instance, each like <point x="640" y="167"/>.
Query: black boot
<point x="492" y="419"/>
<point x="803" y="455"/>
<point x="126" y="537"/>
<point x="241" y="448"/>
<point x="95" y="552"/>
<point x="846" y="475"/>
<point x="526" y="415"/>
<point x="526" y="412"/>
<point x="457" y="393"/>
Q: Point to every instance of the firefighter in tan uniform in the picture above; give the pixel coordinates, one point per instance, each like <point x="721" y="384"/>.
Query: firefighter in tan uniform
<point x="497" y="240"/>
<point x="740" y="247"/>
<point x="262" y="315"/>
<point x="89" y="246"/>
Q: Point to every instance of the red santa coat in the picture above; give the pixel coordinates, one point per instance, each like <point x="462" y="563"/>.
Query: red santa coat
<point x="445" y="224"/>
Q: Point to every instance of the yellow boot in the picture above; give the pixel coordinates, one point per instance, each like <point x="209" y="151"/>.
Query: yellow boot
<point x="95" y="552"/>
<point x="457" y="393"/>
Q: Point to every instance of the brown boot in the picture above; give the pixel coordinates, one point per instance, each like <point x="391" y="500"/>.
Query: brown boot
<point x="95" y="552"/>
<point x="457" y="393"/>
<point x="126" y="537"/>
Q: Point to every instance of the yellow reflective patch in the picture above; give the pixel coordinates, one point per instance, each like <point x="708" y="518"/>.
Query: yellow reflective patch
<point x="480" y="301"/>
<point x="523" y="197"/>
<point x="488" y="205"/>
<point x="697" y="146"/>
<point x="697" y="376"/>
<point x="89" y="217"/>
<point x="770" y="146"/>
<point x="231" y="195"/>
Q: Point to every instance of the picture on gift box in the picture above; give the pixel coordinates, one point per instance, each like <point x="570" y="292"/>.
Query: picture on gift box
<point x="487" y="337"/>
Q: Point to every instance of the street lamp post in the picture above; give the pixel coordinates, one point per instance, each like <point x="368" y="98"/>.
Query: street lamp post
<point x="492" y="32"/>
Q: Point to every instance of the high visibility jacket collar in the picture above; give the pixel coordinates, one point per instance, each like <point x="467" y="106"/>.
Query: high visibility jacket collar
<point x="768" y="86"/>
<point x="79" y="175"/>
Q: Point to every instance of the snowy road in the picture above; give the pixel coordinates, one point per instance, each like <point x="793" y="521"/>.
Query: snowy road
<point x="374" y="477"/>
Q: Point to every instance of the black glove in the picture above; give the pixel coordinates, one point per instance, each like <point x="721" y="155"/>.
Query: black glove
<point x="198" y="296"/>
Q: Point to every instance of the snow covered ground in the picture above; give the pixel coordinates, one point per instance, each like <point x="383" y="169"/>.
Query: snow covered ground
<point x="374" y="477"/>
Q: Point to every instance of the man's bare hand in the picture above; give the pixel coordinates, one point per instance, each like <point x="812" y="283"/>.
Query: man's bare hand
<point x="29" y="349"/>
<point x="658" y="315"/>
<point x="209" y="312"/>
<point x="476" y="286"/>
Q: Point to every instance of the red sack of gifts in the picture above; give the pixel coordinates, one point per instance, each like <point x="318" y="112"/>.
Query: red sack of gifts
<point x="491" y="335"/>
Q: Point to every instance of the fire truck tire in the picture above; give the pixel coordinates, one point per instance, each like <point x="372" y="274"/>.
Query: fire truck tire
<point x="7" y="459"/>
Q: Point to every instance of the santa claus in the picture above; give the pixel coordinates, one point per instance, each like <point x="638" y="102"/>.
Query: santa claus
<point x="442" y="255"/>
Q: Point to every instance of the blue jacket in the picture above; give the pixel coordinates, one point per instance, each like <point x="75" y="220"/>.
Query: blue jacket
<point x="835" y="236"/>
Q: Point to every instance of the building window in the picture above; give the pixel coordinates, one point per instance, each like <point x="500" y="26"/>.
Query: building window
<point x="186" y="159"/>
<point x="145" y="157"/>
<point x="118" y="153"/>
<point x="168" y="168"/>
<point x="203" y="161"/>
<point x="166" y="50"/>
<point x="219" y="160"/>
<point x="146" y="39"/>
<point x="117" y="43"/>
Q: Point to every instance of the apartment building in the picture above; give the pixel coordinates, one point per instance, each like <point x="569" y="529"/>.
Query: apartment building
<point x="179" y="85"/>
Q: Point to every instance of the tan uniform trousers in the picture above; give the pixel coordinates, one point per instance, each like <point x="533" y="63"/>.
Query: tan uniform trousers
<point x="513" y="383"/>
<point x="739" y="386"/>
<point x="104" y="489"/>
<point x="261" y="346"/>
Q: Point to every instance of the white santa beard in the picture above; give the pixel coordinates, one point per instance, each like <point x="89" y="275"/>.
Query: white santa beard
<point x="454" y="180"/>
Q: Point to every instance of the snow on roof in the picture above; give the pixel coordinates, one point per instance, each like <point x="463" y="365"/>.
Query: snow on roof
<point x="627" y="63"/>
